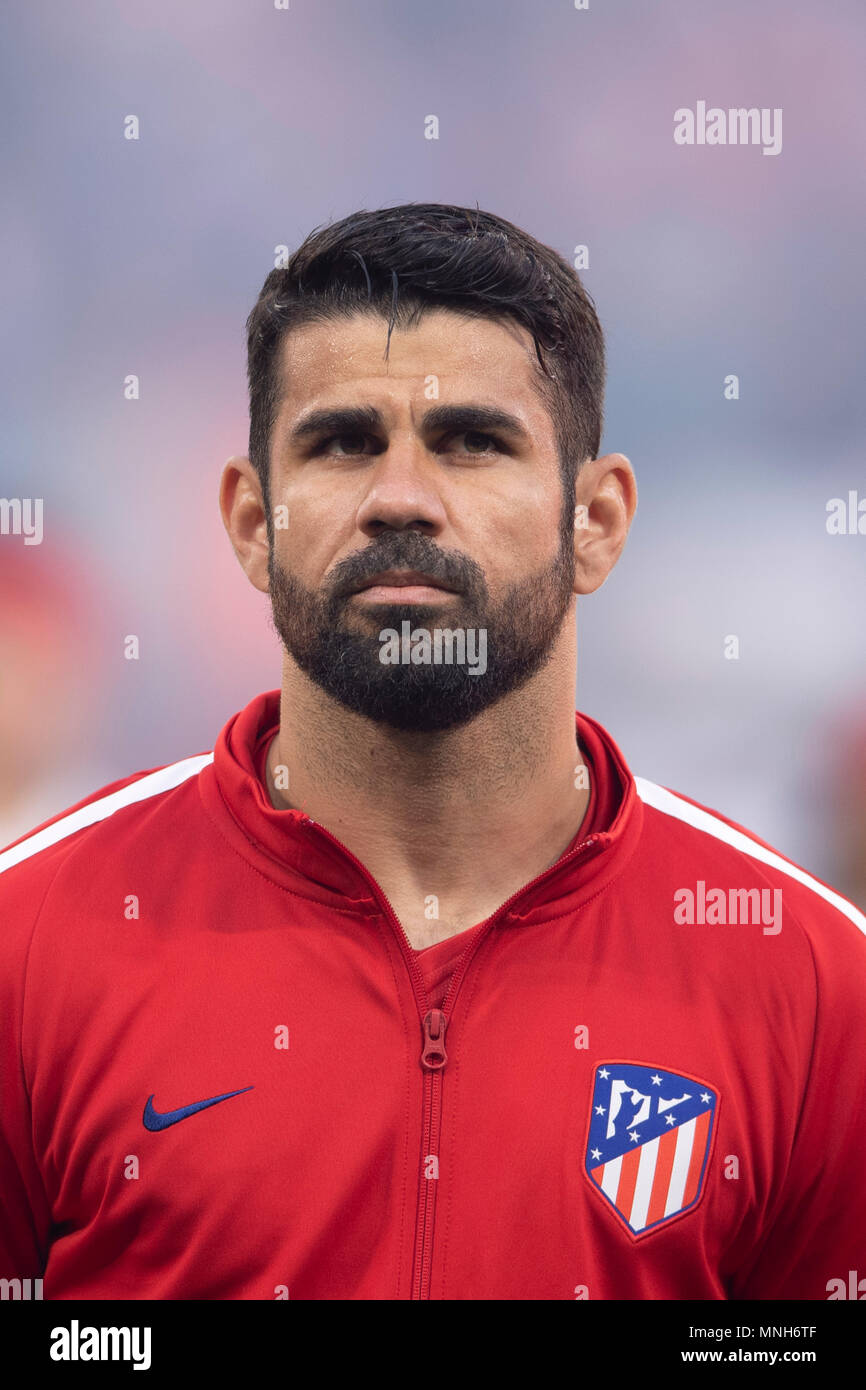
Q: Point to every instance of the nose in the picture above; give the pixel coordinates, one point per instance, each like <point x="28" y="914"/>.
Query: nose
<point x="403" y="491"/>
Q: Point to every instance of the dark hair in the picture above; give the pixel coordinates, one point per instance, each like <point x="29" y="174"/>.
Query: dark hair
<point x="402" y="261"/>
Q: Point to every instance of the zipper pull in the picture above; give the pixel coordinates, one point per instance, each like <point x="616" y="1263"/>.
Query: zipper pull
<point x="434" y="1055"/>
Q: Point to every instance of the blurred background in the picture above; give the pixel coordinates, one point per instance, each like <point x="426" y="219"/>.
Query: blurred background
<point x="145" y="256"/>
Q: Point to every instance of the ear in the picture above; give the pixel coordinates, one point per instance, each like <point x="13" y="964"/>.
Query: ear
<point x="243" y="512"/>
<point x="605" y="496"/>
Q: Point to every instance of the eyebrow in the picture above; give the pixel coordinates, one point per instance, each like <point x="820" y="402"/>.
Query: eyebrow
<point x="365" y="419"/>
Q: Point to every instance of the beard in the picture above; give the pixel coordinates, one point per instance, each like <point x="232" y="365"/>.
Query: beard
<point x="335" y="639"/>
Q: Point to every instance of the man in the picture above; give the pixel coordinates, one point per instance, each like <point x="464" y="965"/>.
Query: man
<point x="410" y="989"/>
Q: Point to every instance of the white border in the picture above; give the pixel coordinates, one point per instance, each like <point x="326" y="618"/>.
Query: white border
<point x="672" y="805"/>
<point x="150" y="785"/>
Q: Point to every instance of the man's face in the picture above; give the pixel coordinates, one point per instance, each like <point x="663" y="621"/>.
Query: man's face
<point x="409" y="476"/>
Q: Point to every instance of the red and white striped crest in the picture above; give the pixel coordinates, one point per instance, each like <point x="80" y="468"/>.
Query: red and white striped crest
<point x="649" y="1137"/>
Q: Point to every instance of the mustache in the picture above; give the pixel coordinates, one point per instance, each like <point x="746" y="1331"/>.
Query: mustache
<point x="408" y="550"/>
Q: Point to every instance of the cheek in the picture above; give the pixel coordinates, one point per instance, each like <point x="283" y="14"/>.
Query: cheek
<point x="310" y="536"/>
<point x="524" y="538"/>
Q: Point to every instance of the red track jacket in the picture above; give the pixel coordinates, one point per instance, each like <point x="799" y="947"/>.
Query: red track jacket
<point x="223" y="1076"/>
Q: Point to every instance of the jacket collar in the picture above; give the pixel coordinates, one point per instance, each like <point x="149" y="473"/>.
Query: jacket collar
<point x="296" y="853"/>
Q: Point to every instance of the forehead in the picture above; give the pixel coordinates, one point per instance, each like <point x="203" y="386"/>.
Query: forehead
<point x="344" y="360"/>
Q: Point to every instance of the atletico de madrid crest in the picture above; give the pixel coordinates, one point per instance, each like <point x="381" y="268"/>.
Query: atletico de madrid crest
<point x="650" y="1132"/>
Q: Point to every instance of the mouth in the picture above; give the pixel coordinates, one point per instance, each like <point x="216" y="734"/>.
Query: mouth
<point x="402" y="586"/>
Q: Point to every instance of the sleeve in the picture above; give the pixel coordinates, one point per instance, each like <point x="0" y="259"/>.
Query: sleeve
<point x="25" y="1212"/>
<point x="815" y="1246"/>
<point x="25" y="1216"/>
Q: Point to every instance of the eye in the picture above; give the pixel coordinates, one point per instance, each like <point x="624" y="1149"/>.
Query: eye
<point x="341" y="439"/>
<point x="473" y="436"/>
<point x="352" y="445"/>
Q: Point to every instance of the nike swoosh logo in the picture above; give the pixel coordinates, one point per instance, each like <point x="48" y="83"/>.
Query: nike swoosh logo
<point x="154" y="1121"/>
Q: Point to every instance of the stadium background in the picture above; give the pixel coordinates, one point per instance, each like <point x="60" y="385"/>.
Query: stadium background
<point x="257" y="124"/>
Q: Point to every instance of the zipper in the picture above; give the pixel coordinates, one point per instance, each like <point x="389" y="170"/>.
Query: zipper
<point x="433" y="1059"/>
<point x="433" y="1056"/>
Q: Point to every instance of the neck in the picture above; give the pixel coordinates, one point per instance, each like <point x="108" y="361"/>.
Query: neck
<point x="469" y="814"/>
